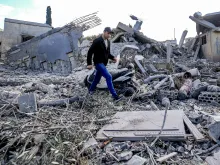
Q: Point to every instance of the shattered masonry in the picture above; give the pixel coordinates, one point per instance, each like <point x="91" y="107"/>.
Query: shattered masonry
<point x="169" y="113"/>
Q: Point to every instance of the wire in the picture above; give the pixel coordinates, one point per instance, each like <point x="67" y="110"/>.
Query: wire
<point x="164" y="120"/>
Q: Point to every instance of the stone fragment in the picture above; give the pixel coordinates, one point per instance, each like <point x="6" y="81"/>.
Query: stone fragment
<point x="180" y="149"/>
<point x="213" y="160"/>
<point x="195" y="118"/>
<point x="85" y="43"/>
<point x="27" y="103"/>
<point x="123" y="156"/>
<point x="136" y="160"/>
<point x="214" y="131"/>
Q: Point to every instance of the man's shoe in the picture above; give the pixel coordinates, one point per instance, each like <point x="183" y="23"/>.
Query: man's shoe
<point x="91" y="92"/>
<point x="118" y="98"/>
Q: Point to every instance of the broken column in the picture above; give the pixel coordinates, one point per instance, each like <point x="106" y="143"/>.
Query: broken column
<point x="137" y="60"/>
<point x="169" y="53"/>
<point x="182" y="38"/>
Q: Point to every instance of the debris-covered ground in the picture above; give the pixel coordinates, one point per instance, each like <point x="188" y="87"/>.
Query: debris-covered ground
<point x="50" y="119"/>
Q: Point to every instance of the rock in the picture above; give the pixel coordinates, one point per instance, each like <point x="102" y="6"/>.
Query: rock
<point x="85" y="43"/>
<point x="180" y="149"/>
<point x="39" y="138"/>
<point x="213" y="88"/>
<point x="195" y="118"/>
<point x="127" y="54"/>
<point x="214" y="131"/>
<point x="27" y="103"/>
<point x="84" y="51"/>
<point x="126" y="155"/>
<point x="139" y="57"/>
<point x="121" y="146"/>
<point x="91" y="142"/>
<point x="136" y="160"/>
<point x="154" y="58"/>
<point x="117" y="47"/>
<point x="213" y="160"/>
<point x="131" y="66"/>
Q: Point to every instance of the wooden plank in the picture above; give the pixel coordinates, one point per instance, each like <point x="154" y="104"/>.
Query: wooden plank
<point x="164" y="158"/>
<point x="192" y="128"/>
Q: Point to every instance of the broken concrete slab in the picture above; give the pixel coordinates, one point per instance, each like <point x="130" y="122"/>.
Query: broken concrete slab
<point x="127" y="54"/>
<point x="214" y="131"/>
<point x="203" y="22"/>
<point x="192" y="128"/>
<point x="213" y="160"/>
<point x="137" y="125"/>
<point x="27" y="103"/>
<point x="182" y="39"/>
<point x="117" y="37"/>
<point x="125" y="28"/>
<point x="91" y="142"/>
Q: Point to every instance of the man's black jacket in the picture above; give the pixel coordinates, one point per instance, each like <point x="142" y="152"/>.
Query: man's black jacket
<point x="101" y="53"/>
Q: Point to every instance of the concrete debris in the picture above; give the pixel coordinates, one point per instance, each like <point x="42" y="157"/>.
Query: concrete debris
<point x="171" y="92"/>
<point x="90" y="142"/>
<point x="27" y="103"/>
<point x="213" y="160"/>
<point x="164" y="158"/>
<point x="136" y="160"/>
<point x="126" y="155"/>
<point x="214" y="131"/>
<point x="182" y="39"/>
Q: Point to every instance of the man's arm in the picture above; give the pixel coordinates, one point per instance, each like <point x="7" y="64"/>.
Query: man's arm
<point x="90" y="53"/>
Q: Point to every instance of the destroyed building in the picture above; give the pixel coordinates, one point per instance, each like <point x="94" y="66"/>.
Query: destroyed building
<point x="169" y="113"/>
<point x="18" y="31"/>
<point x="53" y="51"/>
<point x="208" y="35"/>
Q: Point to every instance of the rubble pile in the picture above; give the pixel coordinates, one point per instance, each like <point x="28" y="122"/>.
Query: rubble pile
<point x="51" y="119"/>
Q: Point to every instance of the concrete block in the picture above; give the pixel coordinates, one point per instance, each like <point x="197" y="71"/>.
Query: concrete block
<point x="125" y="28"/>
<point x="27" y="103"/>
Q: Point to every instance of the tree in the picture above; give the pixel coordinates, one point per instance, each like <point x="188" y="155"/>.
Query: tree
<point x="48" y="17"/>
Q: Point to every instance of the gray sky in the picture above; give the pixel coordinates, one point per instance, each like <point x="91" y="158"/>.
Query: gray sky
<point x="160" y="17"/>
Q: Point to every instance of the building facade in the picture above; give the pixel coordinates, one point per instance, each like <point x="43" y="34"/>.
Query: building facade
<point x="17" y="31"/>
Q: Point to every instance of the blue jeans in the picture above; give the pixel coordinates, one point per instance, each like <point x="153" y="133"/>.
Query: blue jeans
<point x="102" y="71"/>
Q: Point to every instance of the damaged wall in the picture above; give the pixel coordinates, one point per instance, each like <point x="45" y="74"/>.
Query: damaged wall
<point x="16" y="32"/>
<point x="210" y="45"/>
<point x="52" y="51"/>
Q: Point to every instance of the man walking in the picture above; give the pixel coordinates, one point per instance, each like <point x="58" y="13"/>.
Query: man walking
<point x="100" y="49"/>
